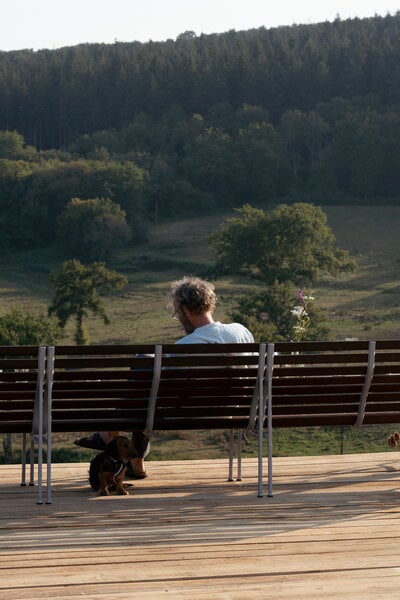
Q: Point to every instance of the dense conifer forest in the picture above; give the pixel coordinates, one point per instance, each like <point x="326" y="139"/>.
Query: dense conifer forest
<point x="200" y="124"/>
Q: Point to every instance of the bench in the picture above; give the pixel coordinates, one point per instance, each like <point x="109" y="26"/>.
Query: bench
<point x="155" y="388"/>
<point x="252" y="387"/>
<point x="22" y="375"/>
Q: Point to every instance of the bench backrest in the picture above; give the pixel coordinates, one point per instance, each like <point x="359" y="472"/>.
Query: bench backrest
<point x="196" y="386"/>
<point x="21" y="387"/>
<point x="336" y="383"/>
<point x="155" y="387"/>
<point x="208" y="386"/>
<point x="93" y="387"/>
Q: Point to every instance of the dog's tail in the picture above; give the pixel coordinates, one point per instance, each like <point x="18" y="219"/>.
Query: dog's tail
<point x="394" y="439"/>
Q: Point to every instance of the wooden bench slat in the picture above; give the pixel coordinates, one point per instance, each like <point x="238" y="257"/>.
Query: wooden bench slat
<point x="18" y="364"/>
<point x="75" y="403"/>
<point x="317" y="400"/>
<point x="160" y="425"/>
<point x="322" y="409"/>
<point x="315" y="420"/>
<point x="12" y="426"/>
<point x="25" y="351"/>
<point x="16" y="404"/>
<point x="320" y="371"/>
<point x="320" y="359"/>
<point x="374" y="418"/>
<point x="102" y="384"/>
<point x="322" y="346"/>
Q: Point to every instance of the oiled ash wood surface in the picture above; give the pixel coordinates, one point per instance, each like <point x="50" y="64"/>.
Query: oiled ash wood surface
<point x="331" y="531"/>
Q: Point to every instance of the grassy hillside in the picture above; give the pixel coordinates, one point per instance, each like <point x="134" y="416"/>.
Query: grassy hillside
<point x="364" y="304"/>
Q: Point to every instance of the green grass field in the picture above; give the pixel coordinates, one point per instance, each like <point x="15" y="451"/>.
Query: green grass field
<point x="363" y="305"/>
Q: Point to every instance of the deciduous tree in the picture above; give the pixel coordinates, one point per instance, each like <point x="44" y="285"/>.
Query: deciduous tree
<point x="268" y="313"/>
<point x="78" y="291"/>
<point x="21" y="327"/>
<point x="93" y="229"/>
<point x="289" y="243"/>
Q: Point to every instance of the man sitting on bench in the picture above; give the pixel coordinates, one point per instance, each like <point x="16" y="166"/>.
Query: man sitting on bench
<point x="194" y="301"/>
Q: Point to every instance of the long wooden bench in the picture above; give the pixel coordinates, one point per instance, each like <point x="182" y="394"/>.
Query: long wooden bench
<point x="155" y="387"/>
<point x="22" y="375"/>
<point x="176" y="387"/>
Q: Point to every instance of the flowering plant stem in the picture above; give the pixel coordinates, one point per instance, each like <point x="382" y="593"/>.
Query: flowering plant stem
<point x="302" y="323"/>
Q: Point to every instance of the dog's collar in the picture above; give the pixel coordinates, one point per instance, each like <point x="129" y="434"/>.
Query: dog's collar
<point x="120" y="464"/>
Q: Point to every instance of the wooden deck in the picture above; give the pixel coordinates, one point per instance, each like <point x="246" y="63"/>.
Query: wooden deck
<point x="332" y="530"/>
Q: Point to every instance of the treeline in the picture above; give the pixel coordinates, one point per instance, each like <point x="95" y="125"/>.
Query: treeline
<point x="52" y="96"/>
<point x="200" y="124"/>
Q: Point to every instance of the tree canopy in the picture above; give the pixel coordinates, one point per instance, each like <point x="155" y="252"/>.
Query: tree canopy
<point x="21" y="327"/>
<point x="93" y="229"/>
<point x="53" y="96"/>
<point x="78" y="291"/>
<point x="269" y="314"/>
<point x="288" y="243"/>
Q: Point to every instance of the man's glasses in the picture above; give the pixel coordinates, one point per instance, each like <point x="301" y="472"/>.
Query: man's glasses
<point x="175" y="316"/>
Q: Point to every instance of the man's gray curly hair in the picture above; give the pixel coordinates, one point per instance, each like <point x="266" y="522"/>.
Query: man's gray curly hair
<point x="194" y="293"/>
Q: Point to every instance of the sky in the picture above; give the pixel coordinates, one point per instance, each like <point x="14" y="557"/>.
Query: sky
<point x="39" y="24"/>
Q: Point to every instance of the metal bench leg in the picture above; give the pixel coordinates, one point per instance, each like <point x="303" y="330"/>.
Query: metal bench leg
<point x="40" y="468"/>
<point x="231" y="453"/>
<point x="40" y="457"/>
<point x="23" y="460"/>
<point x="270" y="493"/>
<point x="47" y="415"/>
<point x="49" y="449"/>
<point x="48" y="481"/>
<point x="260" y="458"/>
<point x="32" y="463"/>
<point x="239" y="455"/>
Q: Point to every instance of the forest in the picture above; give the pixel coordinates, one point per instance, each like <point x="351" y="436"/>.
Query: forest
<point x="199" y="125"/>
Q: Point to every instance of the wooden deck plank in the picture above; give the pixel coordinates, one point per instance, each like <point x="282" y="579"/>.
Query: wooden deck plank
<point x="332" y="530"/>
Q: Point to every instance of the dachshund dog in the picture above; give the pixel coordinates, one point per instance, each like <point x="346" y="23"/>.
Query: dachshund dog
<point x="107" y="469"/>
<point x="394" y="440"/>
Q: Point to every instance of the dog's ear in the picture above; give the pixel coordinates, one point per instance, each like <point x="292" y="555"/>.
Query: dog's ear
<point x="126" y="449"/>
<point x="112" y="445"/>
